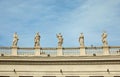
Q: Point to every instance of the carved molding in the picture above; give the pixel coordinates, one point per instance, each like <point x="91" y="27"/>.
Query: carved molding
<point x="60" y="60"/>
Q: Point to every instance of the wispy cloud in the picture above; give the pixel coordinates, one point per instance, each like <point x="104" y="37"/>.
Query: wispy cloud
<point x="92" y="18"/>
<point x="70" y="17"/>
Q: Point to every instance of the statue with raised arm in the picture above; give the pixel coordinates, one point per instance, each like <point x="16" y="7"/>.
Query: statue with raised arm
<point x="81" y="40"/>
<point x="104" y="39"/>
<point x="15" y="39"/>
<point x="37" y="40"/>
<point x="60" y="39"/>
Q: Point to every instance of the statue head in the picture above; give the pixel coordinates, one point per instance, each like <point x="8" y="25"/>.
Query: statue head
<point x="59" y="33"/>
<point x="15" y="33"/>
<point x="81" y="33"/>
<point x="37" y="33"/>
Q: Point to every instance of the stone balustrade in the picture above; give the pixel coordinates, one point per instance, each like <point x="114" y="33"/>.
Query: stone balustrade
<point x="63" y="51"/>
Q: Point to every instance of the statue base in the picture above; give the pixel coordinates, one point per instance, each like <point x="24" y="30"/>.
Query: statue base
<point x="37" y="47"/>
<point x="59" y="47"/>
<point x="14" y="50"/>
<point x="37" y="51"/>
<point x="59" y="51"/>
<point x="106" y="50"/>
<point x="82" y="46"/>
<point x="14" y="47"/>
<point x="82" y="51"/>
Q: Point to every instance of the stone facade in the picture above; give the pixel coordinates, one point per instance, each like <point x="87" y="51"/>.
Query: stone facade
<point x="82" y="61"/>
<point x="96" y="66"/>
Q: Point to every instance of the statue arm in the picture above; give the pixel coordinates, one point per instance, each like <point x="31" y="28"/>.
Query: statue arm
<point x="17" y="38"/>
<point x="79" y="39"/>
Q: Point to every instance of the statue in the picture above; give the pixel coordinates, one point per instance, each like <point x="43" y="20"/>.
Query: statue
<point x="104" y="39"/>
<point x="60" y="39"/>
<point x="37" y="40"/>
<point x="81" y="40"/>
<point x="15" y="39"/>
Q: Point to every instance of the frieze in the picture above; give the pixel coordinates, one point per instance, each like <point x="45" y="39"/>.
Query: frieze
<point x="60" y="61"/>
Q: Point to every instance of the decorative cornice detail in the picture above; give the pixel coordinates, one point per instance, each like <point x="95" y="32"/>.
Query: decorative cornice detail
<point x="105" y="60"/>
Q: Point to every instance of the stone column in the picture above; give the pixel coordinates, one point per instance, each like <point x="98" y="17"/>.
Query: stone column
<point x="82" y="51"/>
<point x="106" y="50"/>
<point x="37" y="51"/>
<point x="14" y="51"/>
<point x="59" y="51"/>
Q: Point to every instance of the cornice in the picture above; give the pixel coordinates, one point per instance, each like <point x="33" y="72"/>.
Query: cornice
<point x="90" y="60"/>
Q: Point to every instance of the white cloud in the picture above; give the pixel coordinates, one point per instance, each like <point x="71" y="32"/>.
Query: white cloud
<point x="70" y="17"/>
<point x="92" y="18"/>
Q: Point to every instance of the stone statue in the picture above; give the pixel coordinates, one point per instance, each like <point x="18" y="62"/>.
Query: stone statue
<point x="104" y="39"/>
<point x="60" y="39"/>
<point x="81" y="40"/>
<point x="37" y="40"/>
<point x="15" y="39"/>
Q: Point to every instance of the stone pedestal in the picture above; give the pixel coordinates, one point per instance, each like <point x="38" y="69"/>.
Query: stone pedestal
<point x="106" y="50"/>
<point x="37" y="51"/>
<point x="59" y="51"/>
<point x="82" y="51"/>
<point x="14" y="50"/>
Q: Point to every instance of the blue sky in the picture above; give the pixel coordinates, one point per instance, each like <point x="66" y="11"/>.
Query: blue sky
<point x="68" y="17"/>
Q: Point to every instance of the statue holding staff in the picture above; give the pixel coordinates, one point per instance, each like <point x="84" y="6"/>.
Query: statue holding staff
<point x="60" y="39"/>
<point x="37" y="40"/>
<point x="81" y="40"/>
<point x="104" y="39"/>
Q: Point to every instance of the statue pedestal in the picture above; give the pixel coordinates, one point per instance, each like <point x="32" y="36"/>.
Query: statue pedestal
<point x="14" y="50"/>
<point x="106" y="50"/>
<point x="59" y="51"/>
<point x="82" y="51"/>
<point x="37" y="51"/>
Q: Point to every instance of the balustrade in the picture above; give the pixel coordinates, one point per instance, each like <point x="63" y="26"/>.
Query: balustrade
<point x="25" y="51"/>
<point x="49" y="51"/>
<point x="5" y="51"/>
<point x="115" y="50"/>
<point x="66" y="51"/>
<point x="94" y="51"/>
<point x="71" y="51"/>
